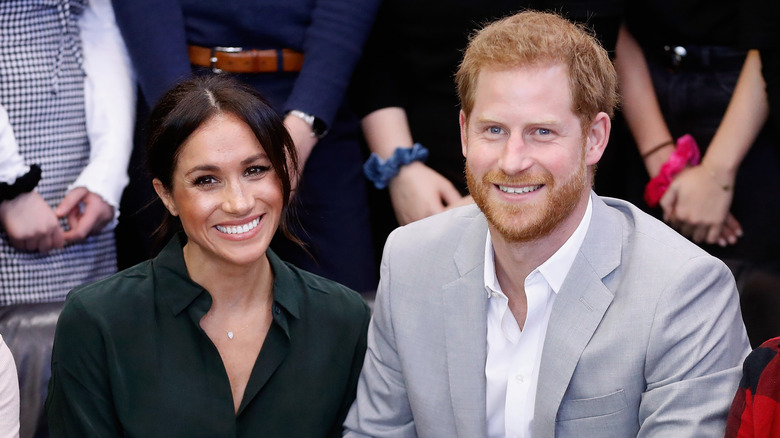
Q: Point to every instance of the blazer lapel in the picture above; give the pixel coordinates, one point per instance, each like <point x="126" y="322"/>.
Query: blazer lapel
<point x="465" y="307"/>
<point x="578" y="309"/>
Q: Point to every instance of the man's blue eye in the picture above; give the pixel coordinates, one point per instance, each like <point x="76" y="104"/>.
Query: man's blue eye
<point x="495" y="130"/>
<point x="543" y="131"/>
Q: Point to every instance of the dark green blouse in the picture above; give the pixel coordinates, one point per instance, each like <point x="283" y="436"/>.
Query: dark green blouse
<point x="130" y="358"/>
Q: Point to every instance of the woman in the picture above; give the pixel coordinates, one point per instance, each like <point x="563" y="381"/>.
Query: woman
<point x="216" y="336"/>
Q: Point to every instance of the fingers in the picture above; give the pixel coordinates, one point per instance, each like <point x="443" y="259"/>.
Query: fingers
<point x="71" y="201"/>
<point x="730" y="232"/>
<point x="95" y="216"/>
<point x="449" y="194"/>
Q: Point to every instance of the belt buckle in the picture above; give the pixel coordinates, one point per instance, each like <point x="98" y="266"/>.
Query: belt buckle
<point x="677" y="53"/>
<point x="213" y="57"/>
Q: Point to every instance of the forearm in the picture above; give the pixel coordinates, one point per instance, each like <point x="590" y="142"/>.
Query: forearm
<point x="12" y="164"/>
<point x="109" y="92"/>
<point x="332" y="47"/>
<point x="640" y="105"/>
<point x="385" y="130"/>
<point x="745" y="115"/>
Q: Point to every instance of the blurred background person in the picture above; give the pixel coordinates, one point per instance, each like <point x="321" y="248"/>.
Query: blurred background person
<point x="66" y="117"/>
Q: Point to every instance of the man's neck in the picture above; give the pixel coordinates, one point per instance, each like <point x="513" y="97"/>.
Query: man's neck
<point x="514" y="261"/>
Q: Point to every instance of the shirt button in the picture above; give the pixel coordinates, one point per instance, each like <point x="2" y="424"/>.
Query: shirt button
<point x="519" y="378"/>
<point x="277" y="310"/>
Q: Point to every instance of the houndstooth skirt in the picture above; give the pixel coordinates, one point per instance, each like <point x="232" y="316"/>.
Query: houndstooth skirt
<point x="42" y="89"/>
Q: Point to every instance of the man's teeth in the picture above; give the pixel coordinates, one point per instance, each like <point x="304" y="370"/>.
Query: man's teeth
<point x="239" y="229"/>
<point x="514" y="190"/>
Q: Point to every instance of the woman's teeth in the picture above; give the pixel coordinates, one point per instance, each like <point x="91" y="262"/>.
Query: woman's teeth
<point x="240" y="228"/>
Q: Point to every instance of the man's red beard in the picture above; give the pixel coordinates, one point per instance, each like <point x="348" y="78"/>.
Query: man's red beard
<point x="527" y="222"/>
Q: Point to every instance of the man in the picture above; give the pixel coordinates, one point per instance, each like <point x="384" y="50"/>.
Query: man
<point x="545" y="310"/>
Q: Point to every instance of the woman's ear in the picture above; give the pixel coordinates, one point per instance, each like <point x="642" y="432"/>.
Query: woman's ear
<point x="165" y="196"/>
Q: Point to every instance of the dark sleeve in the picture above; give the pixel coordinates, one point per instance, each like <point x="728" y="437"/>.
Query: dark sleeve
<point x="154" y="33"/>
<point x="333" y="44"/>
<point x="79" y="402"/>
<point x="354" y="374"/>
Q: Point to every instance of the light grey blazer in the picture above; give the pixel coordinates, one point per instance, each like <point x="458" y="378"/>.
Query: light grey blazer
<point x="645" y="336"/>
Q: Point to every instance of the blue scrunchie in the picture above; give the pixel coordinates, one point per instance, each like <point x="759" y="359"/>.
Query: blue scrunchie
<point x="380" y="171"/>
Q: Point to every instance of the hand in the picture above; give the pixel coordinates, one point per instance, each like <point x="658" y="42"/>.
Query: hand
<point x="31" y="224"/>
<point x="698" y="207"/>
<point x="419" y="191"/>
<point x="304" y="141"/>
<point x="466" y="200"/>
<point x="94" y="216"/>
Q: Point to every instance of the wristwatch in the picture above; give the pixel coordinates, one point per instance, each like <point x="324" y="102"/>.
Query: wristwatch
<point x="318" y="127"/>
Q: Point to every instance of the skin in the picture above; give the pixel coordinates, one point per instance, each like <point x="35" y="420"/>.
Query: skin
<point x="33" y="226"/>
<point x="223" y="179"/>
<point x="522" y="134"/>
<point x="695" y="204"/>
<point x="417" y="191"/>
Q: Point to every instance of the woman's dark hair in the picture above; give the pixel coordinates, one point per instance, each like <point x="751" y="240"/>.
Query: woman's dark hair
<point x="193" y="102"/>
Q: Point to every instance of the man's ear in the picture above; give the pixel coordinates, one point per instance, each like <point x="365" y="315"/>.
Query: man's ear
<point x="597" y="138"/>
<point x="463" y="122"/>
<point x="165" y="196"/>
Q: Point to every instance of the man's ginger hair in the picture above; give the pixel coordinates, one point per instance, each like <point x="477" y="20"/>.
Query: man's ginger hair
<point x="534" y="39"/>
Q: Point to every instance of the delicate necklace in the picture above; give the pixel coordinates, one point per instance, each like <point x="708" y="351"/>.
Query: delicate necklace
<point x="232" y="333"/>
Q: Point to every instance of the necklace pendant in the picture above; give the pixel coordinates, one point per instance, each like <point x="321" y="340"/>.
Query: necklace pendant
<point x="230" y="335"/>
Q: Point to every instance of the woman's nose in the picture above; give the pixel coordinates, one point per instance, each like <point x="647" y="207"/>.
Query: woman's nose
<point x="238" y="199"/>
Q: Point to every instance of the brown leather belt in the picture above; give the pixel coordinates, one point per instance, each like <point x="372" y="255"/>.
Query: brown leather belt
<point x="237" y="60"/>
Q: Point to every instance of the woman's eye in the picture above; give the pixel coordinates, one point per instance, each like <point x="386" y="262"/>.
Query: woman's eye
<point x="257" y="170"/>
<point x="204" y="180"/>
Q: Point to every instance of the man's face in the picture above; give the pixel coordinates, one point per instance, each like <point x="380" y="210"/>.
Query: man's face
<point x="526" y="157"/>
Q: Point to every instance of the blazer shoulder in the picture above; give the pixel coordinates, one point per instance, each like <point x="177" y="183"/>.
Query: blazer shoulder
<point x="642" y="229"/>
<point x="440" y="231"/>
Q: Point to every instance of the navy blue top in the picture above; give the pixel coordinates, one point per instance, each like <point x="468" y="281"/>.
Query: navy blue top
<point x="330" y="33"/>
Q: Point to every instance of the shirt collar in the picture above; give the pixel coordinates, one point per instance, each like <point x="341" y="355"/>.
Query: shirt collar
<point x="554" y="269"/>
<point x="180" y="290"/>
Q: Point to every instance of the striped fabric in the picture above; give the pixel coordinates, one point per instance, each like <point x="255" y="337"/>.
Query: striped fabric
<point x="42" y="89"/>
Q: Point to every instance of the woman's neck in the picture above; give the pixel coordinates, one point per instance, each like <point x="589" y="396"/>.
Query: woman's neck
<point x="233" y="286"/>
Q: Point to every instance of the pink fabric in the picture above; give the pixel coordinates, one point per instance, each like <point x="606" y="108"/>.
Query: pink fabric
<point x="686" y="153"/>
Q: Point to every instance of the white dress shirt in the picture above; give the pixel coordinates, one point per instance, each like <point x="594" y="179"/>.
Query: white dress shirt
<point x="109" y="94"/>
<point x="513" y="356"/>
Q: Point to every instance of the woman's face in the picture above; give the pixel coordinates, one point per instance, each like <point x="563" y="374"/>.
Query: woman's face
<point x="226" y="193"/>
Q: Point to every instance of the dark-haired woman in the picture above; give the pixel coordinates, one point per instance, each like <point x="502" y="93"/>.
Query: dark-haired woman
<point x="216" y="336"/>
